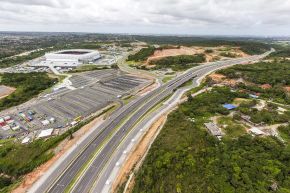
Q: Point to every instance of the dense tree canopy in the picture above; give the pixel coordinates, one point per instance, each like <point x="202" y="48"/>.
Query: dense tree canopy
<point x="27" y="86"/>
<point x="181" y="62"/>
<point x="277" y="74"/>
<point x="142" y="55"/>
<point x="185" y="158"/>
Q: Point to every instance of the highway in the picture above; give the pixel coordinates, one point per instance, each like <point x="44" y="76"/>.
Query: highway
<point x="106" y="139"/>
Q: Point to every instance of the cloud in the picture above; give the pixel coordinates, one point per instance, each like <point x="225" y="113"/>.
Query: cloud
<point x="177" y="16"/>
<point x="49" y="3"/>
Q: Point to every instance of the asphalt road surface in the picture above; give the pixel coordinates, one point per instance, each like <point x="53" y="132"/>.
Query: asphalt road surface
<point x="59" y="180"/>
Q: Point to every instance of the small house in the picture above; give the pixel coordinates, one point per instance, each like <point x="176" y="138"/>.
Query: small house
<point x="229" y="106"/>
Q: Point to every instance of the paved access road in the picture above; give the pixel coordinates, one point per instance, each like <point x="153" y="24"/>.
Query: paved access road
<point x="59" y="180"/>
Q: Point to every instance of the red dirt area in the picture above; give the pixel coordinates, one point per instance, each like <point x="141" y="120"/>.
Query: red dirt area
<point x="217" y="78"/>
<point x="33" y="176"/>
<point x="158" y="54"/>
<point x="5" y="91"/>
<point x="265" y="86"/>
<point x="287" y="88"/>
<point x="222" y="80"/>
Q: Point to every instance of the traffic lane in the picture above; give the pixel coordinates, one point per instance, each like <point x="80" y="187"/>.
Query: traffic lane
<point x="99" y="184"/>
<point x="73" y="169"/>
<point x="86" y="182"/>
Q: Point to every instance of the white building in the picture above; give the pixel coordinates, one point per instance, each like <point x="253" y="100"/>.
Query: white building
<point x="45" y="133"/>
<point x="70" y="58"/>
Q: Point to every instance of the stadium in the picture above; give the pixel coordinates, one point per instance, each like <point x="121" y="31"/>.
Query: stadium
<point x="70" y="58"/>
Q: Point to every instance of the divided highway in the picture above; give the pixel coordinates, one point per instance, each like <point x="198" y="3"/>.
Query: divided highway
<point x="107" y="138"/>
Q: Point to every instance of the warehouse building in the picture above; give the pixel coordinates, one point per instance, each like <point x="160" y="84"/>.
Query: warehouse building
<point x="70" y="58"/>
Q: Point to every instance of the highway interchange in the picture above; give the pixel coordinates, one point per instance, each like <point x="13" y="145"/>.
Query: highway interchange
<point x="81" y="170"/>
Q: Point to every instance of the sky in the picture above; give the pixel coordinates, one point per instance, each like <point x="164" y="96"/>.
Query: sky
<point x="189" y="17"/>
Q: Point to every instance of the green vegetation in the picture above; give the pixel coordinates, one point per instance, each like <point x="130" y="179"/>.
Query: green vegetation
<point x="186" y="84"/>
<point x="246" y="45"/>
<point x="208" y="51"/>
<point x="91" y="67"/>
<point x="265" y="116"/>
<point x="92" y="45"/>
<point x="209" y="103"/>
<point x="268" y="115"/>
<point x="232" y="128"/>
<point x="7" y="62"/>
<point x="277" y="74"/>
<point x="167" y="79"/>
<point x="27" y="86"/>
<point x="185" y="158"/>
<point x="281" y="52"/>
<point x="196" y="89"/>
<point x="273" y="73"/>
<point x="142" y="55"/>
<point x="228" y="54"/>
<point x="284" y="131"/>
<point x="178" y="63"/>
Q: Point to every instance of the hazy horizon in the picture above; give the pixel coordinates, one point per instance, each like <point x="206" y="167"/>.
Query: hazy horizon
<point x="165" y="17"/>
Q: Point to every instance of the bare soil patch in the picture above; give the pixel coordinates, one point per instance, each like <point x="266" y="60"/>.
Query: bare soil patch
<point x="287" y="88"/>
<point x="217" y="77"/>
<point x="183" y="50"/>
<point x="5" y="91"/>
<point x="223" y="80"/>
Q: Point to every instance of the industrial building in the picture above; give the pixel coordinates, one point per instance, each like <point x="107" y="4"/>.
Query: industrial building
<point x="70" y="58"/>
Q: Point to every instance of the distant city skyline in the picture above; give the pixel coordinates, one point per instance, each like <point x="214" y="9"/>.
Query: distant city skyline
<point x="184" y="17"/>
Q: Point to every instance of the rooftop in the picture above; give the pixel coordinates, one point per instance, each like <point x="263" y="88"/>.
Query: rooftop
<point x="229" y="106"/>
<point x="214" y="129"/>
<point x="74" y="52"/>
<point x="45" y="133"/>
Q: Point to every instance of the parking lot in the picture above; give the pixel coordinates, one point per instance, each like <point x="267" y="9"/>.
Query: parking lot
<point x="81" y="79"/>
<point x="94" y="91"/>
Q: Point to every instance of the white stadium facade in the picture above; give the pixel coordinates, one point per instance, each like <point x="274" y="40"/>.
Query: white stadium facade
<point x="70" y="58"/>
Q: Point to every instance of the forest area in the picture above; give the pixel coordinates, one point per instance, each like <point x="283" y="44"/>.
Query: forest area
<point x="28" y="85"/>
<point x="185" y="158"/>
<point x="178" y="63"/>
<point x="274" y="73"/>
